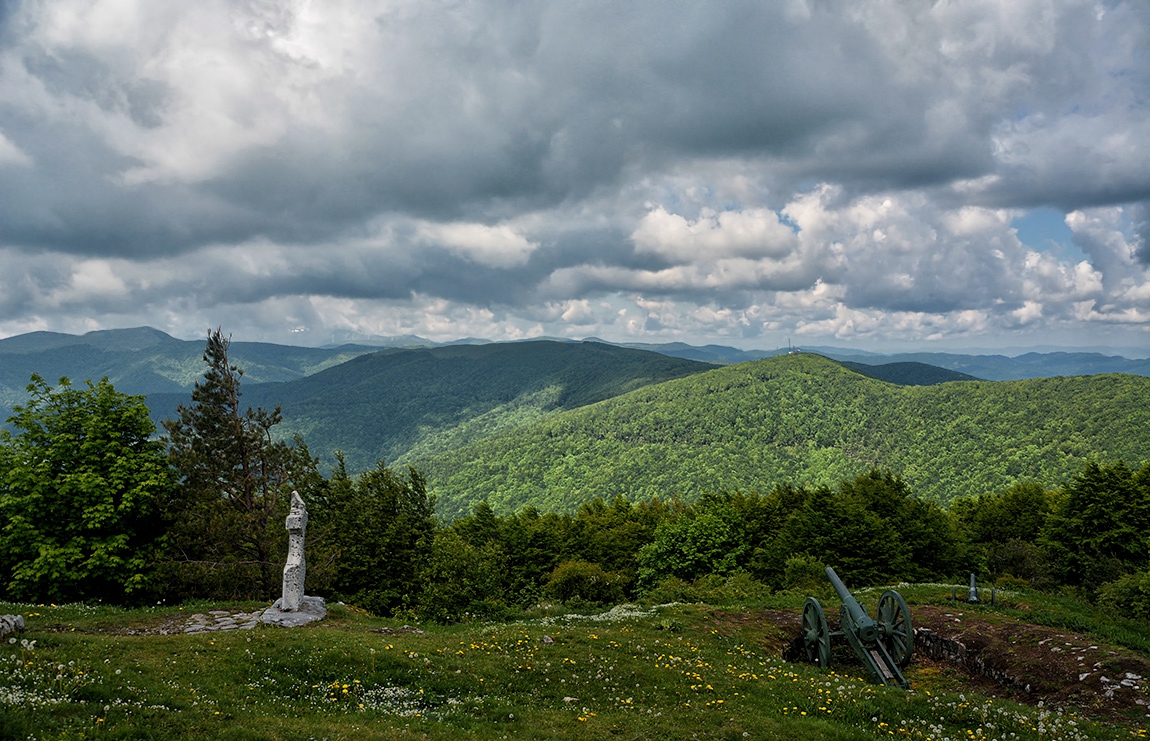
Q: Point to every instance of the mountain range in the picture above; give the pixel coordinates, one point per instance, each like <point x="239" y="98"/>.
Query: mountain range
<point x="547" y="423"/>
<point x="400" y="405"/>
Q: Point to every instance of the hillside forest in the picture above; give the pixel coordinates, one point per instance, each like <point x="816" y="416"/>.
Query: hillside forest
<point x="803" y="420"/>
<point x="95" y="506"/>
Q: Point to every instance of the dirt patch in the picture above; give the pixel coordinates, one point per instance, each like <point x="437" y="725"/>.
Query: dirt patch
<point x="1034" y="663"/>
<point x="773" y="631"/>
<point x="998" y="655"/>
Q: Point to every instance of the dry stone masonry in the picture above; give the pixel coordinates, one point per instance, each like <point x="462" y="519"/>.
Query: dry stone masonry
<point x="218" y="620"/>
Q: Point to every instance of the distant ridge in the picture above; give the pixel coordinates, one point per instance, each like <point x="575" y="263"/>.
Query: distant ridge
<point x="909" y="373"/>
<point x="1003" y="368"/>
<point x="416" y="404"/>
<point x="128" y="340"/>
<point x="706" y="353"/>
<point x="990" y="367"/>
<point x="144" y="360"/>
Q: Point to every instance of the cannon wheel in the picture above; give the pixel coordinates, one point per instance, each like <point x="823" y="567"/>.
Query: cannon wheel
<point x="897" y="632"/>
<point x="816" y="634"/>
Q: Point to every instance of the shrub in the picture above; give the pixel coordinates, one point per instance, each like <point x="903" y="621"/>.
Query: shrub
<point x="585" y="582"/>
<point x="738" y="588"/>
<point x="1128" y="596"/>
<point x="805" y="573"/>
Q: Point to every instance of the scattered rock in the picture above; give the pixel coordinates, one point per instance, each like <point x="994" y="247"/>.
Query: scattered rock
<point x="1018" y="659"/>
<point x="11" y="624"/>
<point x="405" y="630"/>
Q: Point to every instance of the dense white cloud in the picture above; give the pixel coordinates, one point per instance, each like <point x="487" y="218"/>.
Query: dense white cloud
<point x="497" y="246"/>
<point x="737" y="170"/>
<point x="748" y="233"/>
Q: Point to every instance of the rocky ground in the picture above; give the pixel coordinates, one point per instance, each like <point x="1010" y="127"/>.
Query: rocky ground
<point x="1034" y="663"/>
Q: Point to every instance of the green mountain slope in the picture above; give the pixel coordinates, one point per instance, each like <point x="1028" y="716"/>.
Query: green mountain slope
<point x="799" y="419"/>
<point x="397" y="405"/>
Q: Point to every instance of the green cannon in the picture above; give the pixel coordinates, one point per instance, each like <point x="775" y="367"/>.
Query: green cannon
<point x="883" y="644"/>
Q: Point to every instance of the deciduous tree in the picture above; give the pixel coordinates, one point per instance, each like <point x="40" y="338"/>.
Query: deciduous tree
<point x="82" y="491"/>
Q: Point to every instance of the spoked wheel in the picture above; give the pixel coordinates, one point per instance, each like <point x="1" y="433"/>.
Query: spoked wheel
<point x="897" y="634"/>
<point x="816" y="634"/>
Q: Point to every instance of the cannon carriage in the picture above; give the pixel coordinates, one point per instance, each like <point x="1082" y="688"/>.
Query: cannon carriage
<point x="883" y="644"/>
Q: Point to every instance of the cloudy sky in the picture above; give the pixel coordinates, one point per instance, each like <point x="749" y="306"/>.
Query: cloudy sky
<point x="880" y="175"/>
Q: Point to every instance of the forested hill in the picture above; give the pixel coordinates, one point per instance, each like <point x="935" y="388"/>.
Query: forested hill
<point x="395" y="405"/>
<point x="800" y="419"/>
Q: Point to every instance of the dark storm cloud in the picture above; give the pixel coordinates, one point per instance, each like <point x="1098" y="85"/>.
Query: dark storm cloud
<point x="739" y="157"/>
<point x="1141" y="220"/>
<point x="484" y="112"/>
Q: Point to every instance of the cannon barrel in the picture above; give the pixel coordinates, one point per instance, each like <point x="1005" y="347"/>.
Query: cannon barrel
<point x="867" y="628"/>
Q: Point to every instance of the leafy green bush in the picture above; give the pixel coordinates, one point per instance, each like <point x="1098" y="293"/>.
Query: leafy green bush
<point x="738" y="588"/>
<point x="1128" y="596"/>
<point x="586" y="583"/>
<point x="461" y="580"/>
<point x="690" y="547"/>
<point x="805" y="573"/>
<point x="1018" y="559"/>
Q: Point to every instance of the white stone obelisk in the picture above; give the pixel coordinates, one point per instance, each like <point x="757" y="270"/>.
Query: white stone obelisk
<point x="296" y="567"/>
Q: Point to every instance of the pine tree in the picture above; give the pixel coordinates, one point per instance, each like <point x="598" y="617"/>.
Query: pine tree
<point x="235" y="479"/>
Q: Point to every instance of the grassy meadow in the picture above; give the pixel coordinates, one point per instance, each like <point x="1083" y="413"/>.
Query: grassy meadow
<point x="669" y="671"/>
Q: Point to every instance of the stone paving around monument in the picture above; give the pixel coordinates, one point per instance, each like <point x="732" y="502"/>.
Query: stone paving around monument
<point x="217" y="620"/>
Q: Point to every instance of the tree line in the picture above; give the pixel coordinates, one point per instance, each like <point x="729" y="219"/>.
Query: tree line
<point x="95" y="506"/>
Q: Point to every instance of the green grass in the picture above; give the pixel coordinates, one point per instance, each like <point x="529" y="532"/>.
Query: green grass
<point x="675" y="671"/>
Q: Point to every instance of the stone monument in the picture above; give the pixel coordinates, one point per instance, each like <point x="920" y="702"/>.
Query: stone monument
<point x="293" y="608"/>
<point x="296" y="566"/>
